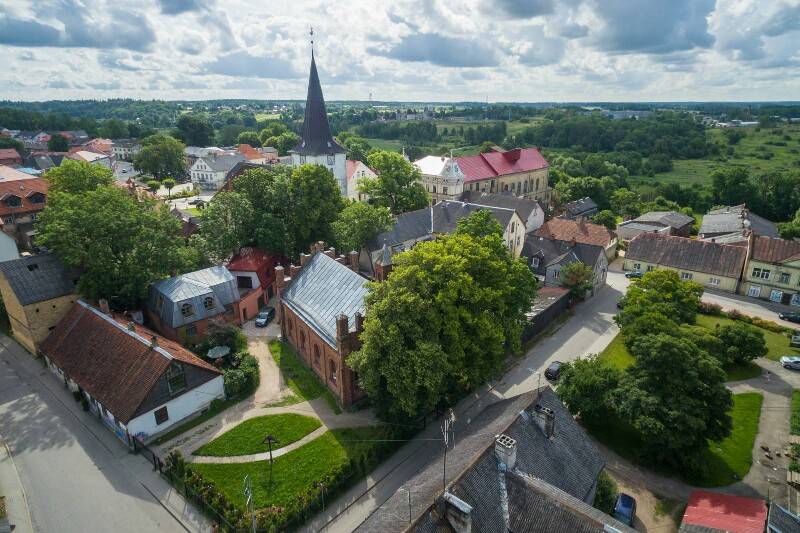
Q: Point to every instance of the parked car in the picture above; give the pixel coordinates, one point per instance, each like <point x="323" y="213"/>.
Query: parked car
<point x="792" y="362"/>
<point x="196" y="201"/>
<point x="634" y="274"/>
<point x="265" y="317"/>
<point x="625" y="509"/>
<point x="553" y="371"/>
<point x="795" y="340"/>
<point x="790" y="317"/>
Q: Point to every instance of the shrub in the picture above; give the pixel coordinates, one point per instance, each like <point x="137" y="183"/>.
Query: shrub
<point x="708" y="308"/>
<point x="606" y="494"/>
<point x="742" y="342"/>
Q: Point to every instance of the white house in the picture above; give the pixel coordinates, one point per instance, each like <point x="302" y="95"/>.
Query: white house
<point x="138" y="384"/>
<point x="441" y="176"/>
<point x="357" y="170"/>
<point x="208" y="173"/>
<point x="92" y="157"/>
<point x="125" y="149"/>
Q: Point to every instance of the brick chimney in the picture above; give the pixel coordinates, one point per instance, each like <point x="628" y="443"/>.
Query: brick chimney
<point x="330" y="252"/>
<point x="545" y="419"/>
<point x="352" y="260"/>
<point x="359" y="319"/>
<point x="103" y="303"/>
<point x="513" y="155"/>
<point x="294" y="270"/>
<point x="505" y="449"/>
<point x="342" y="260"/>
<point x="304" y="259"/>
<point x="280" y="278"/>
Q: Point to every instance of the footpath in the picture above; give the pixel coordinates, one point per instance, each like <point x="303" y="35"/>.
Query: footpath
<point x="11" y="488"/>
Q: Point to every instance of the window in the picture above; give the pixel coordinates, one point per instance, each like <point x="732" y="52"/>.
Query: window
<point x="13" y="201"/>
<point x="637" y="266"/>
<point x="650" y="268"/>
<point x="33" y="267"/>
<point x="331" y="159"/>
<point x="713" y="281"/>
<point x="316" y="356"/>
<point x="761" y="273"/>
<point x="535" y="262"/>
<point x="186" y="310"/>
<point x="8" y="220"/>
<point x="784" y="277"/>
<point x="176" y="378"/>
<point x="302" y="159"/>
<point x="686" y="275"/>
<point x="208" y="302"/>
<point x="37" y="198"/>
<point x="444" y="190"/>
<point x="161" y="415"/>
<point x="333" y="377"/>
<point x="34" y="216"/>
<point x="775" y="295"/>
<point x="754" y="291"/>
<point x="556" y="274"/>
<point x="191" y="331"/>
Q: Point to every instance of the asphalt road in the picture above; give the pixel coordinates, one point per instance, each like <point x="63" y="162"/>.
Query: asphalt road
<point x="76" y="479"/>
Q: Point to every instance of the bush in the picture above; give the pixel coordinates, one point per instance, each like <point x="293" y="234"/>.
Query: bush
<point x="742" y="342"/>
<point x="606" y="495"/>
<point x="708" y="308"/>
<point x="242" y="377"/>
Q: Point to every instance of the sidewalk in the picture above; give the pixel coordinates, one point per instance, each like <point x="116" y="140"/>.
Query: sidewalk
<point x="11" y="487"/>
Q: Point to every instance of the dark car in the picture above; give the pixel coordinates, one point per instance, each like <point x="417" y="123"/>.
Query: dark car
<point x="265" y="317"/>
<point x="625" y="509"/>
<point x="553" y="371"/>
<point x="790" y="317"/>
<point x="634" y="274"/>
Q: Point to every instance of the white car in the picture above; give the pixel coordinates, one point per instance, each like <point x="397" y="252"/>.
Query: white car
<point x="792" y="362"/>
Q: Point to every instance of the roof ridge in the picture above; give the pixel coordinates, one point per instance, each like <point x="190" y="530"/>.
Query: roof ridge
<point x="122" y="328"/>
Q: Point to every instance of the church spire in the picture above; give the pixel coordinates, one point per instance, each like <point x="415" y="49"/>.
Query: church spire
<point x="316" y="138"/>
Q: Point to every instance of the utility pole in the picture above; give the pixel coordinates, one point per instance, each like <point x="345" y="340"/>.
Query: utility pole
<point x="248" y="494"/>
<point x="447" y="425"/>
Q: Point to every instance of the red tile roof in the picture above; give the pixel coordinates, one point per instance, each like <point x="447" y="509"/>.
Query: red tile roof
<point x="9" y="153"/>
<point x="563" y="229"/>
<point x="24" y="189"/>
<point x="249" y="152"/>
<point x="494" y="164"/>
<point x="116" y="366"/>
<point x="724" y="512"/>
<point x="255" y="260"/>
<point x="773" y="250"/>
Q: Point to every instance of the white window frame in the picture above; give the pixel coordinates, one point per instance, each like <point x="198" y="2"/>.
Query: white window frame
<point x="713" y="281"/>
<point x="686" y="276"/>
<point x="775" y="295"/>
<point x="535" y="262"/>
<point x="754" y="291"/>
<point x="787" y="276"/>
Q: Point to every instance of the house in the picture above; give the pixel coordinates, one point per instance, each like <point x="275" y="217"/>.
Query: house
<point x="781" y="520"/>
<point x="546" y="257"/>
<point x="138" y="384"/>
<point x="254" y="270"/>
<point x="208" y="173"/>
<point x="711" y="264"/>
<point x="260" y="156"/>
<point x="730" y="225"/>
<point x="10" y="156"/>
<point x="580" y="231"/>
<point x="95" y="158"/>
<point x="126" y="149"/>
<point x="521" y="172"/>
<point x="11" y="174"/>
<point x="773" y="270"/>
<point x="180" y="308"/>
<point x="190" y="224"/>
<point x="441" y="177"/>
<point x="100" y="145"/>
<point x="712" y="512"/>
<point x="43" y="160"/>
<point x="529" y="210"/>
<point x="37" y="291"/>
<point x="424" y="224"/>
<point x="577" y="209"/>
<point x="321" y="313"/>
<point x="21" y="201"/>
<point x="666" y="222"/>
<point x="77" y="136"/>
<point x="355" y="171"/>
<point x="41" y="137"/>
<point x="522" y="464"/>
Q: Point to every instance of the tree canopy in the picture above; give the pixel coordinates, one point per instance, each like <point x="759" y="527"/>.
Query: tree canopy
<point x="578" y="278"/>
<point x="77" y="177"/>
<point x="661" y="291"/>
<point x="358" y="223"/>
<point x="161" y="156"/>
<point x="397" y="185"/>
<point x="58" y="143"/>
<point x="227" y="225"/>
<point x="195" y="130"/>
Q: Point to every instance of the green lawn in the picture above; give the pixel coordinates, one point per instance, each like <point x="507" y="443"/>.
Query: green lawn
<point x="304" y="384"/>
<point x="795" y="428"/>
<point x="248" y="437"/>
<point x="777" y="344"/>
<point x="295" y="475"/>
<point x="388" y="145"/>
<point x="728" y="460"/>
<point x="193" y="211"/>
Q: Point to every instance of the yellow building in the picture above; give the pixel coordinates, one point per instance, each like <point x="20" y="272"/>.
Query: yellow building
<point x="37" y="292"/>
<point x="521" y="172"/>
<point x="713" y="265"/>
<point x="773" y="270"/>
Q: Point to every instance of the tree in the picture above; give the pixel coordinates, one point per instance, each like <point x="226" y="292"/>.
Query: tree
<point x="249" y="137"/>
<point x="661" y="291"/>
<point x="228" y="134"/>
<point x="625" y="202"/>
<point x="732" y="186"/>
<point x="161" y="156"/>
<point x="674" y="395"/>
<point x="442" y="323"/>
<point x="577" y="188"/>
<point x="578" y="278"/>
<point x="486" y="147"/>
<point x="168" y="184"/>
<point x="606" y="218"/>
<point x="195" y="130"/>
<point x="481" y="223"/>
<point x="791" y="230"/>
<point x="58" y="143"/>
<point x="585" y="387"/>
<point x="119" y="244"/>
<point x="153" y="186"/>
<point x="358" y="223"/>
<point x="113" y="129"/>
<point x="397" y="185"/>
<point x="8" y="142"/>
<point x="227" y="225"/>
<point x="283" y="142"/>
<point x="357" y="148"/>
<point x="742" y="343"/>
<point x="76" y="177"/>
<point x="271" y="129"/>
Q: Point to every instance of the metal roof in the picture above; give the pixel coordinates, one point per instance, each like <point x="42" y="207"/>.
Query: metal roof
<point x="38" y="278"/>
<point x="323" y="290"/>
<point x="193" y="289"/>
<point x="666" y="218"/>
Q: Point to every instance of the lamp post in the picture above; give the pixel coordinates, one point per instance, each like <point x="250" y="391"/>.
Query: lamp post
<point x="269" y="440"/>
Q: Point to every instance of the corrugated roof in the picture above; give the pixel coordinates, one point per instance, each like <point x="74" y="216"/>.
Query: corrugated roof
<point x="193" y="288"/>
<point x="38" y="278"/>
<point x="323" y="290"/>
<point x="578" y="207"/>
<point x="688" y="254"/>
<point x="735" y="219"/>
<point x="315" y="136"/>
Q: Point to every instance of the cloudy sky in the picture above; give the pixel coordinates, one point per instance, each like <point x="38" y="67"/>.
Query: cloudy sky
<point x="506" y="50"/>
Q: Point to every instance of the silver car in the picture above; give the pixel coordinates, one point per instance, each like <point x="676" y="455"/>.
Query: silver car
<point x="792" y="362"/>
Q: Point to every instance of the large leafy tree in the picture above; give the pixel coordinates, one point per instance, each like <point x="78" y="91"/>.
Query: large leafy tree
<point x="76" y="177"/>
<point x="195" y="130"/>
<point x="742" y="342"/>
<point x="119" y="244"/>
<point x="661" y="291"/>
<point x="358" y="148"/>
<point x="444" y="321"/>
<point x="606" y="218"/>
<point x="358" y="223"/>
<point x="249" y="137"/>
<point x="397" y="185"/>
<point x="791" y="229"/>
<point x="227" y="225"/>
<point x="161" y="156"/>
<point x="481" y="223"/>
<point x="58" y="143"/>
<point x="585" y="385"/>
<point x="578" y="278"/>
<point x="732" y="186"/>
<point x="675" y="397"/>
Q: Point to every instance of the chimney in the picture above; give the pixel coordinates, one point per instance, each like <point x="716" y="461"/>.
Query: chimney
<point x="320" y="246"/>
<point x="545" y="418"/>
<point x="280" y="277"/>
<point x="304" y="259"/>
<point x="103" y="303"/>
<point x="342" y="327"/>
<point x="154" y="342"/>
<point x="131" y="326"/>
<point x="505" y="449"/>
<point x="294" y="270"/>
<point x="455" y="511"/>
<point x="352" y="260"/>
<point x="359" y="318"/>
<point x="330" y="252"/>
<point x="513" y="155"/>
<point x="341" y="260"/>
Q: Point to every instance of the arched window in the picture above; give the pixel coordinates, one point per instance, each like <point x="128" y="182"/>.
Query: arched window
<point x="537" y="184"/>
<point x="316" y="356"/>
<point x="186" y="310"/>
<point x="302" y="341"/>
<point x="332" y="372"/>
<point x="525" y="187"/>
<point x="208" y="302"/>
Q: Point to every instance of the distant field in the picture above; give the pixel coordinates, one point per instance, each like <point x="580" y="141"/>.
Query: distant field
<point x="386" y="144"/>
<point x="268" y="116"/>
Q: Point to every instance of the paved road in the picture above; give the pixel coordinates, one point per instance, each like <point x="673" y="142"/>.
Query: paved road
<point x="75" y="474"/>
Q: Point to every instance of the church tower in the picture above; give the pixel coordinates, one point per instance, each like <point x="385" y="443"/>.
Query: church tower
<point x="317" y="145"/>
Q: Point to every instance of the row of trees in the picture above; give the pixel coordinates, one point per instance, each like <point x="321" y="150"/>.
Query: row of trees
<point x="774" y="195"/>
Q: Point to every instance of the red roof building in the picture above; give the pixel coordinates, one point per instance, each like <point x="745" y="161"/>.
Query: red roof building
<point x="254" y="270"/>
<point x="564" y="229"/>
<point x="712" y="511"/>
<point x="496" y="164"/>
<point x="9" y="156"/>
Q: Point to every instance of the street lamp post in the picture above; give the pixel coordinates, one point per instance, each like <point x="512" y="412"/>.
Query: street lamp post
<point x="269" y="440"/>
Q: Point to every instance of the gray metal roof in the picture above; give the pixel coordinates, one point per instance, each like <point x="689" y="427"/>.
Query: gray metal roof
<point x="735" y="219"/>
<point x="169" y="295"/>
<point x="782" y="521"/>
<point x="552" y="251"/>
<point x="523" y="206"/>
<point x="223" y="163"/>
<point x="38" y="278"/>
<point x="578" y="207"/>
<point x="666" y="218"/>
<point x="323" y="290"/>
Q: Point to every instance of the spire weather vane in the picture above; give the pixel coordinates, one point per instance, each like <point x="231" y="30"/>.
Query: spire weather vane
<point x="311" y="33"/>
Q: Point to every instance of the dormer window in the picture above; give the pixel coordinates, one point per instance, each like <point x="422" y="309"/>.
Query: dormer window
<point x="208" y="302"/>
<point x="176" y="378"/>
<point x="331" y="159"/>
<point x="37" y="198"/>
<point x="186" y="310"/>
<point x="13" y="201"/>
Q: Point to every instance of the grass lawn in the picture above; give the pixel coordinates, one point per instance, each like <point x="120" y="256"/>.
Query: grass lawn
<point x="777" y="343"/>
<point x="795" y="427"/>
<point x="304" y="384"/>
<point x="248" y="437"/>
<point x="193" y="211"/>
<point x="296" y="474"/>
<point x="217" y="406"/>
<point x="388" y="145"/>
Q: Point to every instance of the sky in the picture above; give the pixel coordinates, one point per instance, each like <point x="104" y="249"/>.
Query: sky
<point x="405" y="50"/>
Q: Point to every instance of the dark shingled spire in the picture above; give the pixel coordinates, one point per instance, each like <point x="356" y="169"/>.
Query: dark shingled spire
<point x="316" y="135"/>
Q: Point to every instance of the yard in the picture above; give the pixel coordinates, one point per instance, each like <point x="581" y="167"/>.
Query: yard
<point x="777" y="343"/>
<point x="248" y="437"/>
<point x="795" y="426"/>
<point x="303" y="383"/>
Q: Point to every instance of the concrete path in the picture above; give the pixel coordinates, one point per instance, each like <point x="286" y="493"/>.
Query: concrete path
<point x="11" y="488"/>
<point x="271" y="387"/>
<point x="263" y="456"/>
